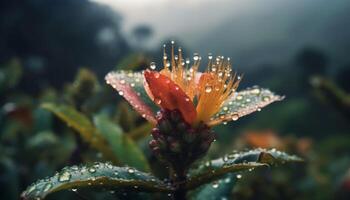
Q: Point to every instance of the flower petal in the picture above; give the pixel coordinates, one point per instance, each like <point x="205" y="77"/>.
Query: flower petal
<point x="244" y="103"/>
<point x="169" y="95"/>
<point x="130" y="86"/>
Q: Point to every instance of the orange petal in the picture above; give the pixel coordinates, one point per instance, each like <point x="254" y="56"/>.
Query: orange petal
<point x="168" y="95"/>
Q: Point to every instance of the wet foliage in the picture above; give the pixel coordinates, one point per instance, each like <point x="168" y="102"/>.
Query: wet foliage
<point x="65" y="134"/>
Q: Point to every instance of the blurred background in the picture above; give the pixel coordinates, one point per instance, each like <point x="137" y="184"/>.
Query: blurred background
<point x="59" y="51"/>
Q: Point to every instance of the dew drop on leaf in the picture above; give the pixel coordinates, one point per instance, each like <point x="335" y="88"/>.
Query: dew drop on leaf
<point x="47" y="187"/>
<point x="65" y="176"/>
<point x="92" y="170"/>
<point x="215" y="185"/>
<point x="131" y="171"/>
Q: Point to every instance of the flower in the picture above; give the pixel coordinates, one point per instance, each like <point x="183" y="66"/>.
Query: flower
<point x="190" y="102"/>
<point x="209" y="97"/>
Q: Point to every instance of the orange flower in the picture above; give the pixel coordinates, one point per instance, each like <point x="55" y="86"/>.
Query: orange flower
<point x="209" y="97"/>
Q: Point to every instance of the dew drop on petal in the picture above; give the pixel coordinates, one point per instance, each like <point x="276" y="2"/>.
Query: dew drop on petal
<point x="156" y="75"/>
<point x="157" y="101"/>
<point x="266" y="98"/>
<point x="235" y="117"/>
<point x="195" y="56"/>
<point x="208" y="89"/>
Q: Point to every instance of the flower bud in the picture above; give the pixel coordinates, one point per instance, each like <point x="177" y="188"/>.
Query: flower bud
<point x="190" y="136"/>
<point x="175" y="115"/>
<point x="165" y="126"/>
<point x="175" y="147"/>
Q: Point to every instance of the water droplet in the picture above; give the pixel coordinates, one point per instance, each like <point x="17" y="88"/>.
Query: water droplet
<point x="255" y="91"/>
<point x="74" y="189"/>
<point x="121" y="93"/>
<point x="215" y="184"/>
<point x="153" y="65"/>
<point x="115" y="173"/>
<point x="172" y="42"/>
<point x="266" y="98"/>
<point x="65" y="176"/>
<point x="157" y="101"/>
<point x="92" y="170"/>
<point x="235" y="117"/>
<point x="225" y="108"/>
<point x="156" y="75"/>
<point x="195" y="56"/>
<point x="210" y="56"/>
<point x="227" y="180"/>
<point x="47" y="187"/>
<point x="131" y="171"/>
<point x="225" y="158"/>
<point x="208" y="89"/>
<point x="122" y="81"/>
<point x="187" y="99"/>
<point x="187" y="61"/>
<point x="239" y="176"/>
<point x="208" y="163"/>
<point x="239" y="97"/>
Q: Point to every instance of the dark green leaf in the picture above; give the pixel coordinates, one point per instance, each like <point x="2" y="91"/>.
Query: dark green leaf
<point x="215" y="169"/>
<point x="141" y="132"/>
<point x="99" y="175"/>
<point x="122" y="146"/>
<point x="83" y="126"/>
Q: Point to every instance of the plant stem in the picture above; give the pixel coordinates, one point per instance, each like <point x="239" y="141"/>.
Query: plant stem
<point x="179" y="179"/>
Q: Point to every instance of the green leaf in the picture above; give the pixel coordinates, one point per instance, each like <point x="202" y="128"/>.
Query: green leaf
<point x="212" y="174"/>
<point x="224" y="179"/>
<point x="122" y="146"/>
<point x="141" y="132"/>
<point x="82" y="125"/>
<point x="99" y="175"/>
<point x="244" y="103"/>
